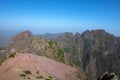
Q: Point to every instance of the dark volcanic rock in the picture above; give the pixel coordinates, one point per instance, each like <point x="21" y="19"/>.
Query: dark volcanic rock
<point x="108" y="76"/>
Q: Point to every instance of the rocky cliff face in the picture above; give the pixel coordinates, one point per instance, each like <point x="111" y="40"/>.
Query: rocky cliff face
<point x="108" y="76"/>
<point x="103" y="52"/>
<point x="95" y="51"/>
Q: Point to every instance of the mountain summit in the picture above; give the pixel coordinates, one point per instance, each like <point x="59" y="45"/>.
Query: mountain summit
<point x="21" y="41"/>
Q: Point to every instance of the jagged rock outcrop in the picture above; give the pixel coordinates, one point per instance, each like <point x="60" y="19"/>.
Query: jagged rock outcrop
<point x="108" y="76"/>
<point x="95" y="51"/>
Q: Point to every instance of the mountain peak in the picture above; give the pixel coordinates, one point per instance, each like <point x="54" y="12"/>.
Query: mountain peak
<point x="22" y="40"/>
<point x="24" y="34"/>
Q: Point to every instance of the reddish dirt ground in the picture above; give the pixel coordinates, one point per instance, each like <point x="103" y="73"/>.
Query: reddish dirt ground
<point x="13" y="67"/>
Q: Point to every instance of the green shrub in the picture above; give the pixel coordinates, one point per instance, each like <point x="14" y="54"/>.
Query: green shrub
<point x="51" y="44"/>
<point x="89" y="77"/>
<point x="12" y="55"/>
<point x="38" y="77"/>
<point x="22" y="75"/>
<point x="60" y="52"/>
<point x="27" y="72"/>
<point x="78" y="74"/>
<point x="50" y="77"/>
<point x="47" y="79"/>
<point x="103" y="48"/>
<point x="60" y="55"/>
<point x="37" y="72"/>
<point x="76" y="62"/>
<point x="1" y="61"/>
<point x="28" y="77"/>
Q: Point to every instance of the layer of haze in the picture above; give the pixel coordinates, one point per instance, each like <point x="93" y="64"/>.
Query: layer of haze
<point x="56" y="16"/>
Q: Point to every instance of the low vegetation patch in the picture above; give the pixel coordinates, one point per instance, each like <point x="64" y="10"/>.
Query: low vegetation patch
<point x="39" y="77"/>
<point x="67" y="50"/>
<point x="47" y="79"/>
<point x="78" y="75"/>
<point x="27" y="72"/>
<point x="52" y="44"/>
<point x="1" y="61"/>
<point x="35" y="76"/>
<point x="37" y="72"/>
<point x="50" y="77"/>
<point x="89" y="77"/>
<point x="22" y="75"/>
<point x="28" y="77"/>
<point x="12" y="55"/>
<point x="60" y="55"/>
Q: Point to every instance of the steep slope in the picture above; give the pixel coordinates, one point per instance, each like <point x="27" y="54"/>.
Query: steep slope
<point x="33" y="67"/>
<point x="25" y="42"/>
<point x="21" y="42"/>
<point x="102" y="50"/>
<point x="72" y="46"/>
<point x="95" y="51"/>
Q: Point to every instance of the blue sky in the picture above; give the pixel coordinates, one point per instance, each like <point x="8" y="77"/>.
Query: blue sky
<point x="55" y="16"/>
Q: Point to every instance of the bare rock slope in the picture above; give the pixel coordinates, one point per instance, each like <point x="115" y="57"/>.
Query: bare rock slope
<point x="33" y="67"/>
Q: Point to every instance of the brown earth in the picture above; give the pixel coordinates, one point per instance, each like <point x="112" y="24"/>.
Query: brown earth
<point x="12" y="68"/>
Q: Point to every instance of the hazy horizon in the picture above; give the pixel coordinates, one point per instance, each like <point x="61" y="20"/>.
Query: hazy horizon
<point x="58" y="16"/>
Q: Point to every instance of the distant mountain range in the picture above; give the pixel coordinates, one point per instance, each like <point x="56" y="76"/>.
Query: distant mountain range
<point x="5" y="37"/>
<point x="93" y="52"/>
<point x="49" y="36"/>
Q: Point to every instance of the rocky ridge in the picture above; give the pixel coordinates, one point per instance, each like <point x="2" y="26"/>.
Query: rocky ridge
<point x="94" y="51"/>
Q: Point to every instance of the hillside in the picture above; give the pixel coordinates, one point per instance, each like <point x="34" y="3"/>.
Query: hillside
<point x="33" y="67"/>
<point x="94" y="52"/>
<point x="26" y="42"/>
